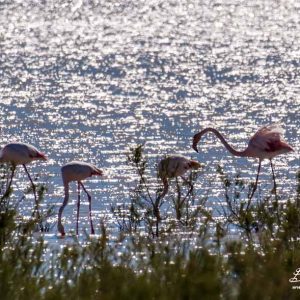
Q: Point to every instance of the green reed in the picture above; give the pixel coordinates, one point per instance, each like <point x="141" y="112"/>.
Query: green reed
<point x="142" y="264"/>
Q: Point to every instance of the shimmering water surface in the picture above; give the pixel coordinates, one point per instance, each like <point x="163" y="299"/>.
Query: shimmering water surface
<point x="87" y="80"/>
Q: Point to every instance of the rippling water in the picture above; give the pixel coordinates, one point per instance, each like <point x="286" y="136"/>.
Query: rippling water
<point x="87" y="80"/>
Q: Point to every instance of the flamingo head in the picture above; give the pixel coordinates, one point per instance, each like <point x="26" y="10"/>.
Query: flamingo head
<point x="61" y="229"/>
<point x="196" y="139"/>
<point x="41" y="156"/>
<point x="97" y="172"/>
<point x="195" y="148"/>
<point x="194" y="164"/>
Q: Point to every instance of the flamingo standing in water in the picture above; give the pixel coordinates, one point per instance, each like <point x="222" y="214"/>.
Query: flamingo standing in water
<point x="174" y="166"/>
<point x="20" y="154"/>
<point x="76" y="171"/>
<point x="266" y="143"/>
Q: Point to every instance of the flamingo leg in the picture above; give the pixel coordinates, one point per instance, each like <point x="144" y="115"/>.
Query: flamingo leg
<point x="190" y="189"/>
<point x="256" y="181"/>
<point x="78" y="205"/>
<point x="186" y="181"/>
<point x="90" y="207"/>
<point x="157" y="202"/>
<point x="166" y="187"/>
<point x="10" y="181"/>
<point x="273" y="174"/>
<point x="33" y="189"/>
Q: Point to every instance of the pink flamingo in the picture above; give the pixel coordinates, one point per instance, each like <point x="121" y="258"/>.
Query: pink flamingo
<point x="21" y="154"/>
<point x="266" y="143"/>
<point x="76" y="171"/>
<point x="174" y="166"/>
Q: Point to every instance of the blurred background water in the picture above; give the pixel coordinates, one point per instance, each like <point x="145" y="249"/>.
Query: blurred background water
<point x="87" y="80"/>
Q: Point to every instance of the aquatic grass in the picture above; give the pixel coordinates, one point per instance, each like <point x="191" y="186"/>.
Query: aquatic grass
<point x="139" y="265"/>
<point x="148" y="211"/>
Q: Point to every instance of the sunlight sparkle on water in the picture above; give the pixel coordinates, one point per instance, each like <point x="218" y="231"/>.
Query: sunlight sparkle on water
<point x="87" y="80"/>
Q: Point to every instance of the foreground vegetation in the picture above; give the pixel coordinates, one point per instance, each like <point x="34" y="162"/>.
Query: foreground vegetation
<point x="150" y="259"/>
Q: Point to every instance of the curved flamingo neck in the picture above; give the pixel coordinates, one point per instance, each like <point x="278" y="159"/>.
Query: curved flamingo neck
<point x="66" y="189"/>
<point x="223" y="141"/>
<point x="66" y="199"/>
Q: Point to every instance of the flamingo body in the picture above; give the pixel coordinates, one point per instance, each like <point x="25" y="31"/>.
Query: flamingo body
<point x="76" y="171"/>
<point x="20" y="154"/>
<point x="266" y="143"/>
<point x="174" y="166"/>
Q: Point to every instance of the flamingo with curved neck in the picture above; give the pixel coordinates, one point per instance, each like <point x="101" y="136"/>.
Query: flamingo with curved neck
<point x="266" y="143"/>
<point x="77" y="171"/>
<point x="174" y="166"/>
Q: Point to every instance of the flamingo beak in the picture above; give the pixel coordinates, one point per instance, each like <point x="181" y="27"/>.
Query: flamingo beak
<point x="195" y="148"/>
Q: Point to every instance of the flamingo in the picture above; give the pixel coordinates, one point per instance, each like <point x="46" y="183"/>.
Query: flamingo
<point x="76" y="171"/>
<point x="20" y="154"/>
<point x="174" y="166"/>
<point x="266" y="143"/>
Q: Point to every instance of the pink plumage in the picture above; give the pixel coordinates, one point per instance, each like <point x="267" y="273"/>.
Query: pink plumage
<point x="174" y="166"/>
<point x="76" y="171"/>
<point x="21" y="154"/>
<point x="266" y="143"/>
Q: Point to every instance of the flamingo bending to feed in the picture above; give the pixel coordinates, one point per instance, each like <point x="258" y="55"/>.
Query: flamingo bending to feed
<point x="266" y="143"/>
<point x="174" y="166"/>
<point x="76" y="171"/>
<point x="21" y="154"/>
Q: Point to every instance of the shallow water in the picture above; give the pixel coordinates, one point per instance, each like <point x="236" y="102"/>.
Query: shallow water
<point x="87" y="80"/>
